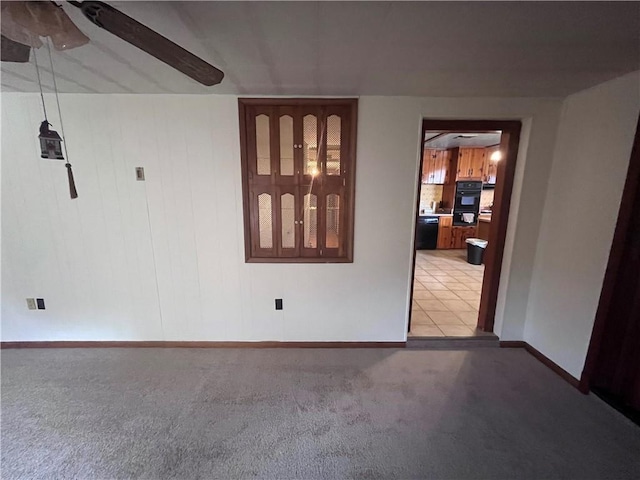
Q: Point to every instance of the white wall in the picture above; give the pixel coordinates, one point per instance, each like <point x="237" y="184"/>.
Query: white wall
<point x="163" y="259"/>
<point x="580" y="211"/>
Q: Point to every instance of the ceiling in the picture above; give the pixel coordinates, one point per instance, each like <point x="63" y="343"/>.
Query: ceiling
<point x="461" y="139"/>
<point x="358" y="48"/>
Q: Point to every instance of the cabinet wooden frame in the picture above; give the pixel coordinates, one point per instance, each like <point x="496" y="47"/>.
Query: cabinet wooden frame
<point x="300" y="183"/>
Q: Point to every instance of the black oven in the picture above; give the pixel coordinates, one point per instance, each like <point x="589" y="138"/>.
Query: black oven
<point x="466" y="205"/>
<point x="467" y="200"/>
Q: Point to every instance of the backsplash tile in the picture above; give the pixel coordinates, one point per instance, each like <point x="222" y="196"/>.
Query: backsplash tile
<point x="486" y="198"/>
<point x="429" y="193"/>
<point x="433" y="193"/>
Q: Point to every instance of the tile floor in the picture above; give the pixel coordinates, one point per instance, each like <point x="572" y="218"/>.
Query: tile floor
<point x="446" y="294"/>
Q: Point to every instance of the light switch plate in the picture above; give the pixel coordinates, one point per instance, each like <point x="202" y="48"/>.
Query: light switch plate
<point x="31" y="303"/>
<point x="140" y="174"/>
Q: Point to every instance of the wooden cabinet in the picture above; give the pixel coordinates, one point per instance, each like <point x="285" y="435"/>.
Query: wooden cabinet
<point x="490" y="166"/>
<point x="470" y="163"/>
<point x="444" y="232"/>
<point x="453" y="237"/>
<point x="445" y="161"/>
<point x="428" y="163"/>
<point x="435" y="165"/>
<point x="459" y="236"/>
<point x="484" y="225"/>
<point x="297" y="197"/>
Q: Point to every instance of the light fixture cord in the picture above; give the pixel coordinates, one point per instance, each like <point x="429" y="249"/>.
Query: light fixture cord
<point x="35" y="57"/>
<point x="55" y="88"/>
<point x="72" y="184"/>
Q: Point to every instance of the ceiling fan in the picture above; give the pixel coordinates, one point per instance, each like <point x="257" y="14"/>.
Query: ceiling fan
<point x="23" y="23"/>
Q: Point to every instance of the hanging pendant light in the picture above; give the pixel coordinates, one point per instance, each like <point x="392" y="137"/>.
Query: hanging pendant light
<point x="51" y="144"/>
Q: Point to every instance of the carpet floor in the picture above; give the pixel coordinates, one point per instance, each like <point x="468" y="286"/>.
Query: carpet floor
<point x="303" y="413"/>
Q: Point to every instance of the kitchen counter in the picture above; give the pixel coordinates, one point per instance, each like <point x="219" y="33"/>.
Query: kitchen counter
<point x="436" y="214"/>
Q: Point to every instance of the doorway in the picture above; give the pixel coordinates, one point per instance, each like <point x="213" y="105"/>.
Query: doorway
<point x="465" y="181"/>
<point x="612" y="367"/>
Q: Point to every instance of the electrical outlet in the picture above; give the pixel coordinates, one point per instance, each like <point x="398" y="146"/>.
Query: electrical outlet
<point x="140" y="174"/>
<point x="278" y="304"/>
<point x="40" y="302"/>
<point x="31" y="303"/>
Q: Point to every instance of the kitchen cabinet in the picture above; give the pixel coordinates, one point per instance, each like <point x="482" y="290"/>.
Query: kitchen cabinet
<point x="444" y="232"/>
<point x="459" y="236"/>
<point x="428" y="164"/>
<point x="445" y="161"/>
<point x="470" y="163"/>
<point x="484" y="225"/>
<point x="453" y="237"/>
<point x="490" y="166"/>
<point x="435" y="165"/>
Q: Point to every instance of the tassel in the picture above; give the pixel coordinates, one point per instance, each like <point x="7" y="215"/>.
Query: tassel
<point x="72" y="183"/>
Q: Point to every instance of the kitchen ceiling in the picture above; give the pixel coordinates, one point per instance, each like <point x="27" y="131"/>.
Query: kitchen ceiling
<point x="358" y="48"/>
<point x="461" y="139"/>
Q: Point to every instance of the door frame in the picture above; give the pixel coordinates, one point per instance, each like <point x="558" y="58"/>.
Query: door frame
<point x="620" y="237"/>
<point x="509" y="141"/>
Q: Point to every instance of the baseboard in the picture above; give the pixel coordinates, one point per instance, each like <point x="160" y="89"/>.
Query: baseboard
<point x="574" y="382"/>
<point x="180" y="344"/>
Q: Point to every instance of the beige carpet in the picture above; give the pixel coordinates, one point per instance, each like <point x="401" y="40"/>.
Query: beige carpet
<point x="312" y="413"/>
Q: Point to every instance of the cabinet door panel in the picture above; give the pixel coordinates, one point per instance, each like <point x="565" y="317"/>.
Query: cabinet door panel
<point x="444" y="232"/>
<point x="439" y="170"/>
<point x="477" y="163"/>
<point x="425" y="165"/>
<point x="310" y="221"/>
<point x="464" y="163"/>
<point x="429" y="162"/>
<point x="331" y="220"/>
<point x="490" y="166"/>
<point x="287" y="228"/>
<point x="263" y="219"/>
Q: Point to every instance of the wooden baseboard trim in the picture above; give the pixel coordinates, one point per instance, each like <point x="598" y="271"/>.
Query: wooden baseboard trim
<point x="566" y="376"/>
<point x="180" y="344"/>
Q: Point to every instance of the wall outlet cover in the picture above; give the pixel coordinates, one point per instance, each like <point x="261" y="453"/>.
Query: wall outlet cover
<point x="40" y="302"/>
<point x="278" y="304"/>
<point x="31" y="303"/>
<point x="140" y="174"/>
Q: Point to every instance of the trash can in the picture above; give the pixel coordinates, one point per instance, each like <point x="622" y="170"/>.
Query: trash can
<point x="475" y="250"/>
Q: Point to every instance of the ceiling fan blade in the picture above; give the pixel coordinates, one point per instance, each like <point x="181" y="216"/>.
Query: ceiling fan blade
<point x="132" y="31"/>
<point x="14" y="51"/>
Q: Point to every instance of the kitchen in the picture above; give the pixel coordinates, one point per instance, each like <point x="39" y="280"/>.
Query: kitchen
<point x="458" y="179"/>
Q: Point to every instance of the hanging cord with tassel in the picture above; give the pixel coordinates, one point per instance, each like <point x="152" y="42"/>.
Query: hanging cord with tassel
<point x="44" y="107"/>
<point x="72" y="184"/>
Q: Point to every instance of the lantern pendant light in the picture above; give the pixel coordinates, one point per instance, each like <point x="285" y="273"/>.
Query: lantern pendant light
<point x="51" y="143"/>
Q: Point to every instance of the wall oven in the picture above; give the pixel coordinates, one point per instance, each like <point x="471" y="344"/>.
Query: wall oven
<point x="467" y="203"/>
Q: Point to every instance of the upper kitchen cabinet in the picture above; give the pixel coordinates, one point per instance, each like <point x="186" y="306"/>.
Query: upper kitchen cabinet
<point x="445" y="162"/>
<point x="490" y="165"/>
<point x="428" y="163"/>
<point x="470" y="163"/>
<point x="435" y="166"/>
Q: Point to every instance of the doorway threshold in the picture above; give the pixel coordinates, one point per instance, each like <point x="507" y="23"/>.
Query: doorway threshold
<point x="489" y="340"/>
